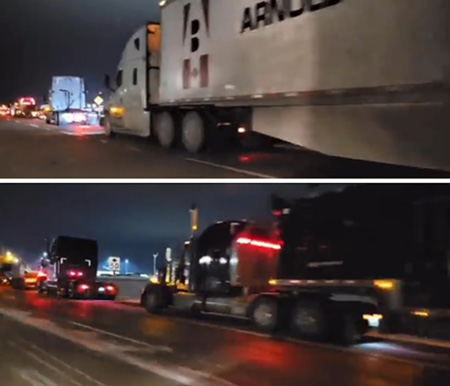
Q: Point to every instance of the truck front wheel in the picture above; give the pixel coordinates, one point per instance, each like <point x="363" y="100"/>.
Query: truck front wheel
<point x="264" y="314"/>
<point x="107" y="127"/>
<point x="152" y="302"/>
<point x="193" y="132"/>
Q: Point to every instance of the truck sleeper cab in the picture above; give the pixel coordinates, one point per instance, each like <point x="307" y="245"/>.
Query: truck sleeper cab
<point x="232" y="268"/>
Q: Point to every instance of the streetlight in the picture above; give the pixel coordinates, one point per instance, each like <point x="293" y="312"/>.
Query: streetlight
<point x="155" y="255"/>
<point x="126" y="266"/>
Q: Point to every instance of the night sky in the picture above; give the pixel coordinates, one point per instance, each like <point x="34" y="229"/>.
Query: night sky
<point x="42" y="38"/>
<point x="130" y="221"/>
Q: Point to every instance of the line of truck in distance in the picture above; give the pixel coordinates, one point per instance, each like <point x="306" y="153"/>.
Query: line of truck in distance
<point x="318" y="74"/>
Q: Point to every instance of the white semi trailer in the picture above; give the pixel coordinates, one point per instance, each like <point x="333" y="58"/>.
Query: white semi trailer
<point x="361" y="79"/>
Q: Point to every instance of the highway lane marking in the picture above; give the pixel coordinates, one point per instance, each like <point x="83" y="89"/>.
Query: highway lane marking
<point x="35" y="378"/>
<point x="134" y="148"/>
<point x="48" y="365"/>
<point x="33" y="125"/>
<point x="229" y="168"/>
<point x="94" y="343"/>
<point x="65" y="364"/>
<point x="138" y="342"/>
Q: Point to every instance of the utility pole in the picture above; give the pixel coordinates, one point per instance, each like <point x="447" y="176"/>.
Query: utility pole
<point x="155" y="255"/>
<point x="194" y="219"/>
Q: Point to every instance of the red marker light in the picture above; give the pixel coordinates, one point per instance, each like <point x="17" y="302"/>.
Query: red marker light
<point x="79" y="273"/>
<point x="258" y="243"/>
<point x="71" y="273"/>
<point x="110" y="288"/>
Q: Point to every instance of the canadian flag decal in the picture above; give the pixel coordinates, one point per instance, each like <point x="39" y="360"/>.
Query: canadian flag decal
<point x="195" y="75"/>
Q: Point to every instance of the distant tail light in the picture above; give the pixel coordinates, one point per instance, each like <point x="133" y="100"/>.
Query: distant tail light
<point x="83" y="287"/>
<point x="241" y="130"/>
<point x="110" y="288"/>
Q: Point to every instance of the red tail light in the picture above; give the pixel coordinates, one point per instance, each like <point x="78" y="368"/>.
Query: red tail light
<point x="110" y="288"/>
<point x="83" y="287"/>
<point x="258" y="243"/>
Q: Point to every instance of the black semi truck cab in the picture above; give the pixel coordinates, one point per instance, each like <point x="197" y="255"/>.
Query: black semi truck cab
<point x="72" y="270"/>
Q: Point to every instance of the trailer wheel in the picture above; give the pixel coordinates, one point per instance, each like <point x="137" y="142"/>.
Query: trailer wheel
<point x="193" y="132"/>
<point x="165" y="129"/>
<point x="349" y="330"/>
<point x="264" y="314"/>
<point x="308" y="320"/>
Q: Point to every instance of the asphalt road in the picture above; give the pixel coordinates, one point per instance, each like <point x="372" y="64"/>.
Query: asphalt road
<point x="46" y="342"/>
<point x="33" y="149"/>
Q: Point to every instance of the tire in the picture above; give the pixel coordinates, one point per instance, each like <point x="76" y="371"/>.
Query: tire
<point x="108" y="128"/>
<point x="193" y="133"/>
<point x="264" y="314"/>
<point x="350" y="330"/>
<point x="61" y="293"/>
<point x="165" y="129"/>
<point x="41" y="289"/>
<point x="57" y="119"/>
<point x="308" y="320"/>
<point x="70" y="292"/>
<point x="152" y="302"/>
